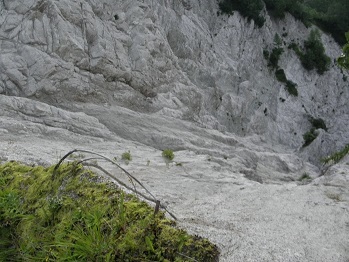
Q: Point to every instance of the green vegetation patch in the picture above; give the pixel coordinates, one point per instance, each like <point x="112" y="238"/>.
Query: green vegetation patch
<point x="291" y="88"/>
<point x="343" y="60"/>
<point x="278" y="8"/>
<point x="126" y="156"/>
<point x="280" y="75"/>
<point x="75" y="217"/>
<point x="309" y="137"/>
<point x="168" y="154"/>
<point x="314" y="56"/>
<point x="331" y="16"/>
<point x="318" y="123"/>
<point x="304" y="176"/>
<point x="336" y="157"/>
<point x="248" y="8"/>
<point x="275" y="57"/>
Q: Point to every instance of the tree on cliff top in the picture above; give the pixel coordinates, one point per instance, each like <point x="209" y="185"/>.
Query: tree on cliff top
<point x="343" y="60"/>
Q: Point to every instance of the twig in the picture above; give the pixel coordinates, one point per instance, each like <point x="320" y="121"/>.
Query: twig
<point x="157" y="207"/>
<point x="97" y="166"/>
<point x="114" y="178"/>
<point x="133" y="190"/>
<point x="131" y="177"/>
<point x="108" y="159"/>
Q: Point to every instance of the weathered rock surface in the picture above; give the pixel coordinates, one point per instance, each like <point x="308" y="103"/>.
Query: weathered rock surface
<point x="143" y="76"/>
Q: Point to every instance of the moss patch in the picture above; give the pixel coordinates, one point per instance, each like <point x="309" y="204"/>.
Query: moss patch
<point x="75" y="217"/>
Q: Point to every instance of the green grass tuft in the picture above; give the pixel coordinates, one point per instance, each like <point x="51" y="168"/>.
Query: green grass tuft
<point x="305" y="176"/>
<point x="336" y="157"/>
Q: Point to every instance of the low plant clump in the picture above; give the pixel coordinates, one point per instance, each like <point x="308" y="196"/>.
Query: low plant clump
<point x="304" y="176"/>
<point x="309" y="137"/>
<point x="291" y="88"/>
<point x="126" y="156"/>
<point x="314" y="56"/>
<point x="337" y="156"/>
<point x="73" y="216"/>
<point x="168" y="154"/>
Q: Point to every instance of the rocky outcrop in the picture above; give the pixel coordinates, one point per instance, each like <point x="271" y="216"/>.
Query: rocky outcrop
<point x="149" y="75"/>
<point x="176" y="58"/>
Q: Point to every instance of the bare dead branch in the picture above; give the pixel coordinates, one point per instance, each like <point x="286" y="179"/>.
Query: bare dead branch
<point x="131" y="177"/>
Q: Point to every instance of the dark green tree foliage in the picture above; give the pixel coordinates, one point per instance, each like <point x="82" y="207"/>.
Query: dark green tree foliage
<point x="343" y="60"/>
<point x="276" y="52"/>
<point x="266" y="54"/>
<point x="295" y="48"/>
<point x="275" y="57"/>
<point x="277" y="8"/>
<point x="247" y="8"/>
<point x="311" y="135"/>
<point x="314" y="56"/>
<point x="318" y="123"/>
<point x="331" y="15"/>
<point x="291" y="88"/>
<point x="280" y="75"/>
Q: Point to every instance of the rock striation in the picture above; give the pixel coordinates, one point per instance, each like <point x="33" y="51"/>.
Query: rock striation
<point x="146" y="75"/>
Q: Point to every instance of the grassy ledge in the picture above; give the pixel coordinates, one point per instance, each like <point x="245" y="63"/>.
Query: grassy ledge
<point x="74" y="216"/>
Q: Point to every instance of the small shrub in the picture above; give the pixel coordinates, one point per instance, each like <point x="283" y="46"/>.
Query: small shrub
<point x="309" y="137"/>
<point x="336" y="157"/>
<point x="343" y="60"/>
<point x="168" y="154"/>
<point x="314" y="56"/>
<point x="266" y="54"/>
<point x="305" y="176"/>
<point x="296" y="49"/>
<point x="318" y="123"/>
<point x="275" y="57"/>
<point x="277" y="40"/>
<point x="126" y="156"/>
<point x="291" y="88"/>
<point x="280" y="75"/>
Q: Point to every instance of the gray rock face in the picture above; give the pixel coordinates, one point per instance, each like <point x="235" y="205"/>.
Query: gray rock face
<point x="149" y="75"/>
<point x="176" y="58"/>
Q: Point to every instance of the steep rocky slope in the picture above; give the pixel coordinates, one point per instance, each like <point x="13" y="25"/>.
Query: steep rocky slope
<point x="146" y="75"/>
